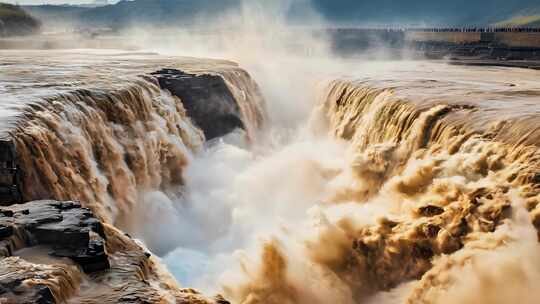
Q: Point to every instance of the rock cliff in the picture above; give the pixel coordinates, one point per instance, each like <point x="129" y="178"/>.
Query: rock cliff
<point x="206" y="98"/>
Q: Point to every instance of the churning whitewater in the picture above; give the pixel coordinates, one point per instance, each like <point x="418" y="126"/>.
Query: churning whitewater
<point x="385" y="187"/>
<point x="385" y="192"/>
<point x="319" y="153"/>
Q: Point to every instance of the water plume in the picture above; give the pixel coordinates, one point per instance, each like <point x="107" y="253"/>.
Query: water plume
<point x="357" y="189"/>
<point x="122" y="151"/>
<point x="382" y="187"/>
<point x="397" y="189"/>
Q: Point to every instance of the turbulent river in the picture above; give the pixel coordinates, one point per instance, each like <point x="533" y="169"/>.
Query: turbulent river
<point x="404" y="185"/>
<point x="381" y="182"/>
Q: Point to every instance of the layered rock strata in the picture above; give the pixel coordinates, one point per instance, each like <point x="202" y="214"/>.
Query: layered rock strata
<point x="58" y="252"/>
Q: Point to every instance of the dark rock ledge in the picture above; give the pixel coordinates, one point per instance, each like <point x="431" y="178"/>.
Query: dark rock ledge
<point x="206" y="98"/>
<point x="70" y="230"/>
<point x="58" y="252"/>
<point x="62" y="230"/>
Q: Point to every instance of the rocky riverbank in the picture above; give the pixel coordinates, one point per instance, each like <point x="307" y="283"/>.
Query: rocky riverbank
<point x="58" y="252"/>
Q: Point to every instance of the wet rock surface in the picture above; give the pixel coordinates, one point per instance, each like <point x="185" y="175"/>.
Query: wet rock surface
<point x="23" y="282"/>
<point x="10" y="174"/>
<point x="60" y="230"/>
<point x="58" y="252"/>
<point x="71" y="230"/>
<point x="206" y="98"/>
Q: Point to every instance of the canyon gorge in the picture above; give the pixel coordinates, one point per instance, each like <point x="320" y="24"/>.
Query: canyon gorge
<point x="381" y="182"/>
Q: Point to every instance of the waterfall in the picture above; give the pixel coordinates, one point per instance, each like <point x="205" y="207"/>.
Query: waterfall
<point x="430" y="191"/>
<point x="375" y="196"/>
<point x="109" y="149"/>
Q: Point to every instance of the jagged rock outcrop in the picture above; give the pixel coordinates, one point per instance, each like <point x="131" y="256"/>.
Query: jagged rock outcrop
<point x="58" y="252"/>
<point x="206" y="98"/>
<point x="70" y="230"/>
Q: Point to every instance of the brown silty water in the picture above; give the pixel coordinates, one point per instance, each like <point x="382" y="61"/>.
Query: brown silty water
<point x="446" y="162"/>
<point x="416" y="182"/>
<point x="87" y="128"/>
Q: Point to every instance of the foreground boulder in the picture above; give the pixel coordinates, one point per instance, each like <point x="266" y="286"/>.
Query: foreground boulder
<point x="58" y="252"/>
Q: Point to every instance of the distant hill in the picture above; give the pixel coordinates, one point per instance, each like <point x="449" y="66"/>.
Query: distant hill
<point x="338" y="12"/>
<point x="57" y="17"/>
<point x="15" y="21"/>
<point x="141" y="12"/>
<point x="160" y="12"/>
<point x="423" y="12"/>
